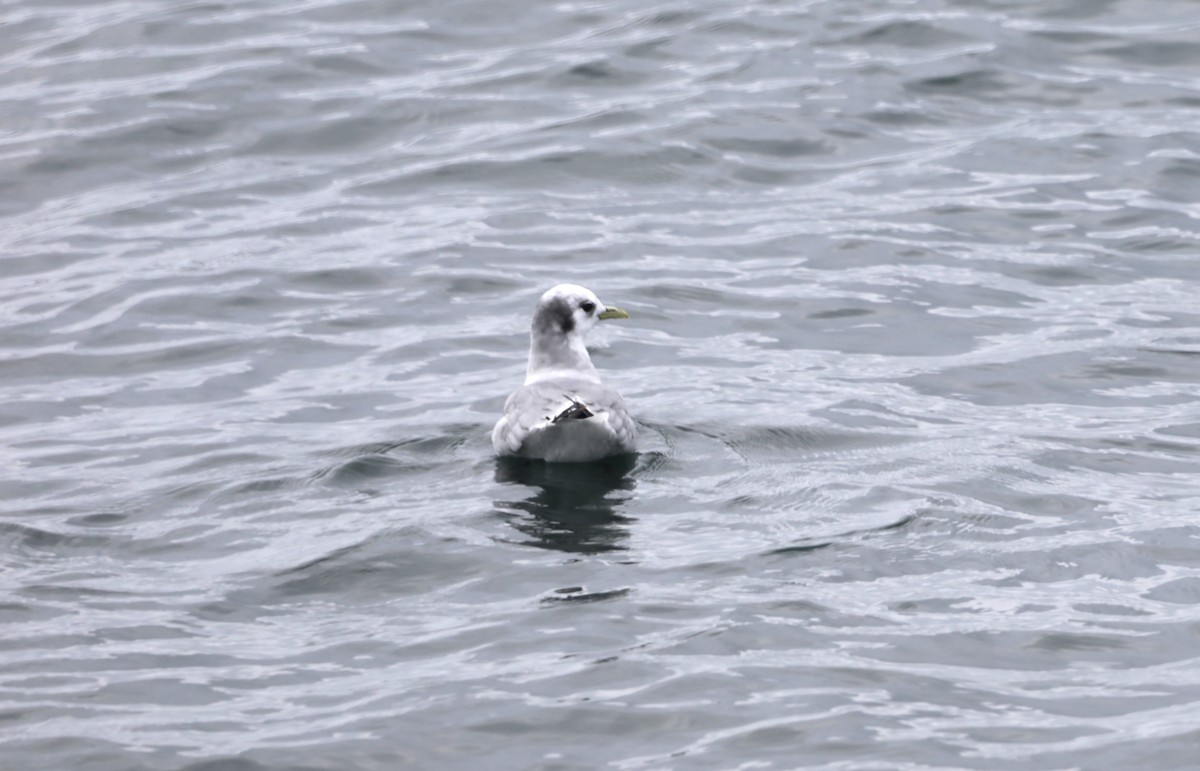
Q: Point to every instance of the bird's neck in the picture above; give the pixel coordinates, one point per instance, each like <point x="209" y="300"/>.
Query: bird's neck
<point x="559" y="357"/>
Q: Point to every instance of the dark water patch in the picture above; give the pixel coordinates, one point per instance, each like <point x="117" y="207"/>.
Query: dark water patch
<point x="395" y="458"/>
<point x="1151" y="446"/>
<point x="1157" y="53"/>
<point x="841" y="313"/>
<point x="842" y="539"/>
<point x="579" y="594"/>
<point x="103" y="519"/>
<point x="894" y="115"/>
<point x="650" y="462"/>
<point x="465" y="286"/>
<point x="38" y="541"/>
<point x="598" y="73"/>
<point x="245" y="764"/>
<point x="574" y="507"/>
<point x="1080" y="643"/>
<point x="862" y="414"/>
<point x="970" y="83"/>
<point x="369" y="467"/>
<point x="789" y="443"/>
<point x="907" y="34"/>
<point x="1182" y="591"/>
<point x="799" y="549"/>
<point x="43" y="365"/>
<point x="1189" y="430"/>
<point x="259" y="486"/>
<point x="1068" y="377"/>
<point x="336" y="554"/>
<point x="1107" y="609"/>
<point x="348" y="134"/>
<point x="1168" y="544"/>
<point x="774" y="148"/>
<point x="1103" y="460"/>
<point x="381" y="568"/>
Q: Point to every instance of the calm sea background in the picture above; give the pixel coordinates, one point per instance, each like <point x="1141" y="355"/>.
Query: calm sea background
<point x="914" y="348"/>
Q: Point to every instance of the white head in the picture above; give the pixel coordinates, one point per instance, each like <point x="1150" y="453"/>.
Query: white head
<point x="562" y="319"/>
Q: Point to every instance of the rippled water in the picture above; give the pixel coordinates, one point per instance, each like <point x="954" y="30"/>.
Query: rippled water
<point x="915" y="348"/>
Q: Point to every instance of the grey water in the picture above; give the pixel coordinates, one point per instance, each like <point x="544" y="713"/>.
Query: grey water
<point x="914" y="351"/>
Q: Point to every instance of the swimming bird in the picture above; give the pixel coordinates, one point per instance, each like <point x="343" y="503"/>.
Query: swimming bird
<point x="563" y="412"/>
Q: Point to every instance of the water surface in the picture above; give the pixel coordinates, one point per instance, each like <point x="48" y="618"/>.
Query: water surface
<point x="915" y="351"/>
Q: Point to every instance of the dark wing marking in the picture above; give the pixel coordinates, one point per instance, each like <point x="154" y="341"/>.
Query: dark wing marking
<point x="577" y="411"/>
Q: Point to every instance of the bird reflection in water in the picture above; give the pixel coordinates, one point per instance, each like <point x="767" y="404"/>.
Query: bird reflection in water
<point x="574" y="506"/>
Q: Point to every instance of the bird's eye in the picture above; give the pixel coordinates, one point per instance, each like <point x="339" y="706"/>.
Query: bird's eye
<point x="588" y="306"/>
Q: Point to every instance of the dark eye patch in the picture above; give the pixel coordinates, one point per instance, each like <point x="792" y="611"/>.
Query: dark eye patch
<point x="588" y="306"/>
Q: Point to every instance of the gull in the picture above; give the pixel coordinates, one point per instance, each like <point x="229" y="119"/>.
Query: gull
<point x="563" y="412"/>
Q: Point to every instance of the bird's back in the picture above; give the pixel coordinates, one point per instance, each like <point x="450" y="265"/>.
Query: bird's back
<point x="565" y="419"/>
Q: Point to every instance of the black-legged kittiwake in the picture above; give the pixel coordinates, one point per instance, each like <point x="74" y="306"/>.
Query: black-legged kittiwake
<point x="563" y="412"/>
